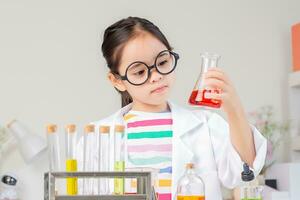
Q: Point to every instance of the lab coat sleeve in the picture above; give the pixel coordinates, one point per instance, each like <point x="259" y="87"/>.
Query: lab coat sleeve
<point x="229" y="163"/>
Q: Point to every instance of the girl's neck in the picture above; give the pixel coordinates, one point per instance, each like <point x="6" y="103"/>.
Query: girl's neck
<point x="137" y="106"/>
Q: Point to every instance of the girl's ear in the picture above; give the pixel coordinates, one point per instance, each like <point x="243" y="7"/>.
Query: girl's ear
<point x="116" y="82"/>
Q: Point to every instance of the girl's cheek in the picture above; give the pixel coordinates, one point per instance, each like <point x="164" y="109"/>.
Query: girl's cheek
<point x="138" y="92"/>
<point x="171" y="79"/>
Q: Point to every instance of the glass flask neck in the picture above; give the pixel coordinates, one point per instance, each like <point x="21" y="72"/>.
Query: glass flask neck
<point x="190" y="171"/>
<point x="209" y="60"/>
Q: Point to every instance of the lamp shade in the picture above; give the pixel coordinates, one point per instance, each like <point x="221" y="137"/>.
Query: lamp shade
<point x="30" y="145"/>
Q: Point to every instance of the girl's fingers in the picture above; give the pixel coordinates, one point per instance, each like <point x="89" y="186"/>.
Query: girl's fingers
<point x="214" y="95"/>
<point x="222" y="96"/>
<point x="218" y="74"/>
<point x="216" y="69"/>
<point x="215" y="83"/>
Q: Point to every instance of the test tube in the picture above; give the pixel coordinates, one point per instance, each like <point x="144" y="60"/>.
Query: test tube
<point x="88" y="161"/>
<point x="54" y="151"/>
<point x="119" y="162"/>
<point x="104" y="157"/>
<point x="71" y="162"/>
<point x="53" y="148"/>
<point x="97" y="163"/>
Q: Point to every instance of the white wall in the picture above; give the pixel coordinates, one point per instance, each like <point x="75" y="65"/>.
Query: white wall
<point x="52" y="70"/>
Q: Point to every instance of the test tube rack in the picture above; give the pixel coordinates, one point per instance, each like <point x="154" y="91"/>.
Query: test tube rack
<point x="144" y="189"/>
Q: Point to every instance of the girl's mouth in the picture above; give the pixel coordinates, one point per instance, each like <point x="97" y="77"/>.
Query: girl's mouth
<point x="160" y="89"/>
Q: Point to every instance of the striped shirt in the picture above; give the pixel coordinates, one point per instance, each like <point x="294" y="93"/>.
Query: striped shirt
<point x="149" y="146"/>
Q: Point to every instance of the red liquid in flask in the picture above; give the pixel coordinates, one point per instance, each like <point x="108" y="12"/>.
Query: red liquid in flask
<point x="205" y="101"/>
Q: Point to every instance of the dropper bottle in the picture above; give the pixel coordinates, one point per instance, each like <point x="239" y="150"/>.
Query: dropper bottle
<point x="249" y="190"/>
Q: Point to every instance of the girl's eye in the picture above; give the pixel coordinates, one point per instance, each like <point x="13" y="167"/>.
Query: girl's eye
<point x="162" y="63"/>
<point x="139" y="73"/>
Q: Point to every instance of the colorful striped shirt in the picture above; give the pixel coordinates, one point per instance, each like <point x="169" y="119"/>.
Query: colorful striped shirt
<point x="149" y="146"/>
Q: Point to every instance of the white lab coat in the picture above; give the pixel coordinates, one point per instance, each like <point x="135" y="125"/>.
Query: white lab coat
<point x="202" y="137"/>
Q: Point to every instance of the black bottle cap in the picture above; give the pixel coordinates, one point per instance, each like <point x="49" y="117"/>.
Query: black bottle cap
<point x="9" y="180"/>
<point x="247" y="174"/>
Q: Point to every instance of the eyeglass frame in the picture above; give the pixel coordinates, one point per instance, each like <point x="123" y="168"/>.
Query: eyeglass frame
<point x="125" y="78"/>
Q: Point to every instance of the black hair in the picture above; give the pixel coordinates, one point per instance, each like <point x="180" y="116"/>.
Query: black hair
<point x="118" y="34"/>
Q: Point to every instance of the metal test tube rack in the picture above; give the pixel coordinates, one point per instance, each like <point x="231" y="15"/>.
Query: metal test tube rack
<point x="144" y="188"/>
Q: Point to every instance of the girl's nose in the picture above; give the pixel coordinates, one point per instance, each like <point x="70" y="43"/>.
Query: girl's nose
<point x="155" y="76"/>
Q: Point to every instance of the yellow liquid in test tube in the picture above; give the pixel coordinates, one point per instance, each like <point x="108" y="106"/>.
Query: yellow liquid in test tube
<point x="71" y="166"/>
<point x="119" y="182"/>
<point x="190" y="197"/>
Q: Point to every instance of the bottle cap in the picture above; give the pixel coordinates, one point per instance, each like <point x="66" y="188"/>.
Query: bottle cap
<point x="51" y="128"/>
<point x="9" y="179"/>
<point x="119" y="129"/>
<point x="90" y="128"/>
<point x="190" y="165"/>
<point x="71" y="128"/>
<point x="247" y="174"/>
<point x="104" y="129"/>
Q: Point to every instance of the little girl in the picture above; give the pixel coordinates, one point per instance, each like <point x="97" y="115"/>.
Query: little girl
<point x="165" y="136"/>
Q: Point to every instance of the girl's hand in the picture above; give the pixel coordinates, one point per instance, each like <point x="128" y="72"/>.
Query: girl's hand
<point x="215" y="78"/>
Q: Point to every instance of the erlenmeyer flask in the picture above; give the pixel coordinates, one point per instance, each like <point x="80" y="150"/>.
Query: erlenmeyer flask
<point x="198" y="95"/>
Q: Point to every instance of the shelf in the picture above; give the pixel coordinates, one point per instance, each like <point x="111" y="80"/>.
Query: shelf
<point x="145" y="190"/>
<point x="294" y="79"/>
<point x="296" y="143"/>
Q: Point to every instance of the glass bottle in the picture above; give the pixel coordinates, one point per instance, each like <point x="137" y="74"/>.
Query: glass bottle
<point x="190" y="185"/>
<point x="9" y="190"/>
<point x="250" y="190"/>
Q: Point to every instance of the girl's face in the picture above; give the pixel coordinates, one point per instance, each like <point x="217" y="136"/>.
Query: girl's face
<point x="154" y="92"/>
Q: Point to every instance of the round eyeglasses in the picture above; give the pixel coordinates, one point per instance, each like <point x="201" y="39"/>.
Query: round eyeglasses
<point x="137" y="73"/>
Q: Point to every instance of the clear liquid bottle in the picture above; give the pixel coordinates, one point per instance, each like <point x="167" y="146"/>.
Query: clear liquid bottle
<point x="119" y="162"/>
<point x="250" y="190"/>
<point x="198" y="95"/>
<point x="71" y="161"/>
<point x="104" y="132"/>
<point x="190" y="185"/>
